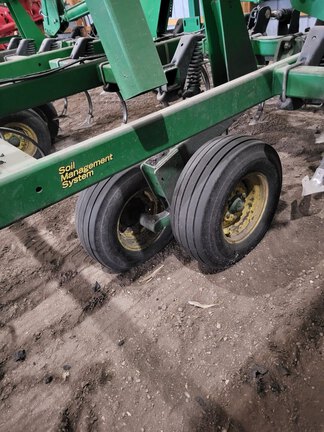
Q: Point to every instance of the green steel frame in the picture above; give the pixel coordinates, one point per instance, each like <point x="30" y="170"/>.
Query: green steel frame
<point x="38" y="184"/>
<point x="64" y="83"/>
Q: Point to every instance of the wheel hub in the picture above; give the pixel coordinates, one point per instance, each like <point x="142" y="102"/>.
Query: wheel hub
<point x="20" y="142"/>
<point x="132" y="235"/>
<point x="244" y="207"/>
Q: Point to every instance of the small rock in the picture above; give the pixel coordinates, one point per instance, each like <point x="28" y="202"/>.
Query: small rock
<point x="66" y="367"/>
<point x="121" y="342"/>
<point x="48" y="379"/>
<point x="20" y="355"/>
<point x="218" y="325"/>
<point x="180" y="309"/>
<point x="96" y="287"/>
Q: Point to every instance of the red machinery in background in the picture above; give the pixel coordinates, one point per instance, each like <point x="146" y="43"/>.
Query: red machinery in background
<point x="8" y="25"/>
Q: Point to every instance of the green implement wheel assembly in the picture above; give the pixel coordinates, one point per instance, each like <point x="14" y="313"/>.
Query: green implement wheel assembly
<point x="108" y="221"/>
<point x="225" y="199"/>
<point x="31" y="125"/>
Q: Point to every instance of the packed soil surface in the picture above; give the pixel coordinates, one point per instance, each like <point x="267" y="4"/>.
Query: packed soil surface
<point x="82" y="349"/>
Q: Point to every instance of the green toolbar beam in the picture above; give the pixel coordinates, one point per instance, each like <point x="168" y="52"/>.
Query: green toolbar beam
<point x="57" y="85"/>
<point x="55" y="177"/>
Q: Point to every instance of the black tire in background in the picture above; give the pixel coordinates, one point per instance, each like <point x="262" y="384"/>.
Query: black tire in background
<point x="50" y="116"/>
<point x="107" y="221"/>
<point x="32" y="125"/>
<point x="225" y="199"/>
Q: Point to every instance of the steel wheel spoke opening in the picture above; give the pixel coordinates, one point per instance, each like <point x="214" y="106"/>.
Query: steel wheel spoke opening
<point x="245" y="207"/>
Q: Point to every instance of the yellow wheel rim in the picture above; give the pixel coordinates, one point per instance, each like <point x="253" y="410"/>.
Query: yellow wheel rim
<point x="18" y="141"/>
<point x="245" y="207"/>
<point x="131" y="234"/>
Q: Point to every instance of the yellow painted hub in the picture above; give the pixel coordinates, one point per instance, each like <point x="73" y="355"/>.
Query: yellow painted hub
<point x="245" y="207"/>
<point x="22" y="143"/>
<point x="131" y="234"/>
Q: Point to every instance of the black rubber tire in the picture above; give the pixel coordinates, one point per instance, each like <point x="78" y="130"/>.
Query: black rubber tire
<point x="50" y="116"/>
<point x="98" y="212"/>
<point x="202" y="191"/>
<point x="31" y="120"/>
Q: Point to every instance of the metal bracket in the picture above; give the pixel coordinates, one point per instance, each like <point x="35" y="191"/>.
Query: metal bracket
<point x="316" y="183"/>
<point x="26" y="47"/>
<point x="163" y="170"/>
<point x="288" y="21"/>
<point x="313" y="50"/>
<point x="82" y="48"/>
<point x="49" y="44"/>
<point x="183" y="54"/>
<point x="155" y="223"/>
<point x="311" y="55"/>
<point x="14" y="42"/>
<point x="259" y="19"/>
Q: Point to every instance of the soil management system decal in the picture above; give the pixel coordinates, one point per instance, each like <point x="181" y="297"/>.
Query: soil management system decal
<point x="71" y="175"/>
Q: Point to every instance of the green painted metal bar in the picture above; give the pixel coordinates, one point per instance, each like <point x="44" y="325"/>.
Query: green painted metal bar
<point x="313" y="8"/>
<point x="133" y="57"/>
<point x="239" y="57"/>
<point x="69" y="171"/>
<point x="165" y="13"/>
<point x="229" y="59"/>
<point x="38" y="62"/>
<point x="52" y="11"/>
<point x="194" y="8"/>
<point x="306" y="82"/>
<point x="31" y="64"/>
<point x="77" y="11"/>
<point x="152" y="11"/>
<point x="26" y="26"/>
<point x="29" y="94"/>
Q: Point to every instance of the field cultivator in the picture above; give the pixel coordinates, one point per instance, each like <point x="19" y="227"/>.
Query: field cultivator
<point x="171" y="173"/>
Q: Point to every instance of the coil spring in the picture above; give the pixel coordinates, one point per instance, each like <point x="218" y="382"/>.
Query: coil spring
<point x="90" y="49"/>
<point x="194" y="71"/>
<point x="31" y="49"/>
<point x="55" y="46"/>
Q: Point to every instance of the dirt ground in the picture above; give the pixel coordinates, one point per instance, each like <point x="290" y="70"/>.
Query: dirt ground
<point x="128" y="352"/>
